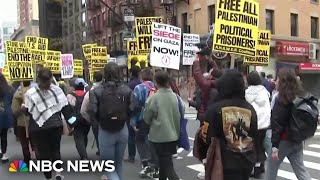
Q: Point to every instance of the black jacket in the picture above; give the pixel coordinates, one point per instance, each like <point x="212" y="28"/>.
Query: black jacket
<point x="280" y="117"/>
<point x="233" y="121"/>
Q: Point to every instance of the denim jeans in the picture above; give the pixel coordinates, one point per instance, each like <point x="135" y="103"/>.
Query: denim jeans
<point x="131" y="142"/>
<point x="294" y="152"/>
<point x="112" y="147"/>
<point x="267" y="142"/>
<point x="143" y="143"/>
<point x="95" y="131"/>
<point x="80" y="136"/>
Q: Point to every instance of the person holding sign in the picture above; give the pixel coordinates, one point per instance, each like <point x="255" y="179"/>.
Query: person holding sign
<point x="6" y="116"/>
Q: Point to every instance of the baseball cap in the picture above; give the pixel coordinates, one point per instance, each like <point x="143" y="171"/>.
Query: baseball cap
<point x="80" y="81"/>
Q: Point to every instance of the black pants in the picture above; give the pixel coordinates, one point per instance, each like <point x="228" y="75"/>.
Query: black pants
<point x="24" y="141"/>
<point x="95" y="130"/>
<point x="164" y="153"/>
<point x="48" y="142"/>
<point x="238" y="174"/>
<point x="4" y="140"/>
<point x="80" y="136"/>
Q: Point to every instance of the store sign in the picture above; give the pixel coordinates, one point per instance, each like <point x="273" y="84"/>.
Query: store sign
<point x="128" y="14"/>
<point x="309" y="66"/>
<point x="292" y="48"/>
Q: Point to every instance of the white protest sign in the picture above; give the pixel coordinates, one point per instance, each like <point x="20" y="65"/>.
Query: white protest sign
<point x="189" y="47"/>
<point x="67" y="70"/>
<point x="2" y="60"/>
<point x="165" y="48"/>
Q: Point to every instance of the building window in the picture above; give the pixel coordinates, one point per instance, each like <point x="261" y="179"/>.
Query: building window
<point x="270" y="20"/>
<point x="109" y="40"/>
<point x="185" y="22"/>
<point x="314" y="27"/>
<point x="294" y="24"/>
<point x="121" y="41"/>
<point x="83" y="3"/>
<point x="103" y="19"/>
<point x="99" y="22"/>
<point x="212" y="14"/>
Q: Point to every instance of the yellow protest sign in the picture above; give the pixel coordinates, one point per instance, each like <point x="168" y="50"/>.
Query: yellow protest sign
<point x="87" y="51"/>
<point x="236" y="26"/>
<point x="99" y="57"/>
<point x="134" y="54"/>
<point x="5" y="72"/>
<point x="144" y="34"/>
<point x="38" y="47"/>
<point x="53" y="61"/>
<point x="78" y="67"/>
<point x="262" y="57"/>
<point x="18" y="61"/>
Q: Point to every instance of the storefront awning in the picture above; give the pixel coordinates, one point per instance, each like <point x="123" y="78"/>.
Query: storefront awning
<point x="309" y="67"/>
<point x="292" y="48"/>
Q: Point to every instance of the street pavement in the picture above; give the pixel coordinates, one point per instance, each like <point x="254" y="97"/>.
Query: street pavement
<point x="186" y="166"/>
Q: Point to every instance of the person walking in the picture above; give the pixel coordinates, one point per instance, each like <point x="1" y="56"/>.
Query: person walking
<point x="109" y="106"/>
<point x="233" y="121"/>
<point x="258" y="96"/>
<point x="163" y="116"/>
<point x="6" y="115"/>
<point x="45" y="103"/>
<point x="288" y="89"/>
<point x="98" y="78"/>
<point x="82" y="127"/>
<point x="22" y="121"/>
<point x="138" y="98"/>
<point x="134" y="81"/>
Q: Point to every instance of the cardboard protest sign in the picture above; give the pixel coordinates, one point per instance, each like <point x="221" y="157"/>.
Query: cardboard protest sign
<point x="99" y="58"/>
<point x="189" y="47"/>
<point x="18" y="61"/>
<point x="236" y="26"/>
<point x="53" y="61"/>
<point x="87" y="51"/>
<point x="66" y="66"/>
<point x="262" y="57"/>
<point x="165" y="49"/>
<point x="144" y="34"/>
<point x="133" y="53"/>
<point x="78" y="67"/>
<point x="38" y="47"/>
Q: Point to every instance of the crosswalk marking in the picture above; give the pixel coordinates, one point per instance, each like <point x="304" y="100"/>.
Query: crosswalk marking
<point x="308" y="164"/>
<point x="311" y="153"/>
<point x="288" y="175"/>
<point x="317" y="134"/>
<point x="318" y="127"/>
<point x="190" y="154"/>
<point x="197" y="167"/>
<point x="317" y="146"/>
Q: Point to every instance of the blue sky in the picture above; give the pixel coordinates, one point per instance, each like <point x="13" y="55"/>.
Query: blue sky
<point x="8" y="10"/>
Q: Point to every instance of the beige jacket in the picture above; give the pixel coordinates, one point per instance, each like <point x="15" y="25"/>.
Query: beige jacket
<point x="17" y="101"/>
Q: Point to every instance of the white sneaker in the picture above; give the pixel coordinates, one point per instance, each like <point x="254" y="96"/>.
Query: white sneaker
<point x="4" y="157"/>
<point x="201" y="175"/>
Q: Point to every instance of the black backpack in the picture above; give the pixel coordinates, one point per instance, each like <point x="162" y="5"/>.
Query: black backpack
<point x="114" y="106"/>
<point x="77" y="109"/>
<point x="304" y="118"/>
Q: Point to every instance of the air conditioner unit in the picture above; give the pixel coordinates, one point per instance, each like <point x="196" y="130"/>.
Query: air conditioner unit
<point x="312" y="51"/>
<point x="166" y="2"/>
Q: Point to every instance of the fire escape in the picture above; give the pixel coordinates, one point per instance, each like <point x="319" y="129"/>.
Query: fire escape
<point x="95" y="29"/>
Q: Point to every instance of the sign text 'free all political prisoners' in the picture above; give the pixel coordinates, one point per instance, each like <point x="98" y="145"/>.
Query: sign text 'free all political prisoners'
<point x="67" y="66"/>
<point x="236" y="26"/>
<point x="144" y="33"/>
<point x="38" y="47"/>
<point x="53" y="61"/>
<point x="99" y="58"/>
<point x="262" y="57"/>
<point x="18" y="60"/>
<point x="165" y="50"/>
<point x="78" y="67"/>
<point x="189" y="47"/>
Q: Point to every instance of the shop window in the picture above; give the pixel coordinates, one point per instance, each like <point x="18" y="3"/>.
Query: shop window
<point x="270" y="20"/>
<point x="294" y="24"/>
<point x="212" y="18"/>
<point x="314" y="27"/>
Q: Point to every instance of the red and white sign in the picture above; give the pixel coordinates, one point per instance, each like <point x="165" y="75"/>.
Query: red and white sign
<point x="309" y="67"/>
<point x="292" y="48"/>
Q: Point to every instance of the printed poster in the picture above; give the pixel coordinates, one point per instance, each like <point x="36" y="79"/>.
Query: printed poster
<point x="99" y="58"/>
<point x="165" y="49"/>
<point x="38" y="47"/>
<point x="78" y="67"/>
<point x="18" y="61"/>
<point x="134" y="54"/>
<point x="262" y="57"/>
<point x="190" y="48"/>
<point x="87" y="51"/>
<point x="144" y="33"/>
<point x="67" y="71"/>
<point x="236" y="27"/>
<point x="53" y="61"/>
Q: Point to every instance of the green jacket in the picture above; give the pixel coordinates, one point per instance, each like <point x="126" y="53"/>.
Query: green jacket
<point x="163" y="116"/>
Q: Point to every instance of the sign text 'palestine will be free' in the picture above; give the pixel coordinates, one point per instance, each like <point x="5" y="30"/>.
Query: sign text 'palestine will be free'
<point x="165" y="49"/>
<point x="262" y="57"/>
<point x="18" y="60"/>
<point x="236" y="26"/>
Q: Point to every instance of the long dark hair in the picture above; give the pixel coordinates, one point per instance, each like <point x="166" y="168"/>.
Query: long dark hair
<point x="231" y="85"/>
<point x="289" y="86"/>
<point x="4" y="86"/>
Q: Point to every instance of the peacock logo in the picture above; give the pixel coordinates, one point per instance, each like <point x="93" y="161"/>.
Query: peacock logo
<point x="18" y="166"/>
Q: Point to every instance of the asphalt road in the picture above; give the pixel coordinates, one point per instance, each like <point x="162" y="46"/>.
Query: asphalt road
<point x="186" y="165"/>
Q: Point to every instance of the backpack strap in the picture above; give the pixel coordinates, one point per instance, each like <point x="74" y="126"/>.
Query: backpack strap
<point x="148" y="86"/>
